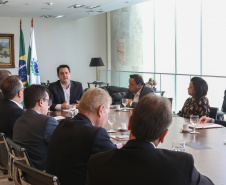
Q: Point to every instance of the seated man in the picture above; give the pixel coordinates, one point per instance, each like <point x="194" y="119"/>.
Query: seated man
<point x="34" y="128"/>
<point x="205" y="119"/>
<point x="75" y="140"/>
<point x="65" y="91"/>
<point x="10" y="107"/>
<point x="139" y="162"/>
<point x="3" y="75"/>
<point x="137" y="89"/>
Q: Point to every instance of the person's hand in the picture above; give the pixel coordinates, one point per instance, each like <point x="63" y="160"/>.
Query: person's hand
<point x="129" y="102"/>
<point x="205" y="119"/>
<point x="64" y="105"/>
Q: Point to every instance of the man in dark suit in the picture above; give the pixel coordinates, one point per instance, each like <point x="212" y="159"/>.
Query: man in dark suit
<point x="10" y="107"/>
<point x="139" y="161"/>
<point x="34" y="128"/>
<point x="65" y="91"/>
<point x="137" y="89"/>
<point x="205" y="119"/>
<point x="3" y="75"/>
<point x="75" y="140"/>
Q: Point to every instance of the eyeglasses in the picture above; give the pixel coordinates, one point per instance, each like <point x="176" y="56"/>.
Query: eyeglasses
<point x="49" y="101"/>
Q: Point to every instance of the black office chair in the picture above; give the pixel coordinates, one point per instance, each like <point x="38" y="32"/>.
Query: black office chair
<point x="19" y="153"/>
<point x="4" y="148"/>
<point x="222" y="112"/>
<point x="213" y="112"/>
<point x="171" y="101"/>
<point x="31" y="176"/>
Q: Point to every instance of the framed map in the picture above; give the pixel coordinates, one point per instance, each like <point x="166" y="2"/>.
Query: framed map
<point x="7" y="51"/>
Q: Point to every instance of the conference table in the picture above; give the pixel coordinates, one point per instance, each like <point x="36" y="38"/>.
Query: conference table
<point x="207" y="148"/>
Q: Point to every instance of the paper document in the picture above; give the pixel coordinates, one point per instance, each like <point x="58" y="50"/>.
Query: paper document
<point x="120" y="137"/>
<point x="206" y="125"/>
<point x="59" y="117"/>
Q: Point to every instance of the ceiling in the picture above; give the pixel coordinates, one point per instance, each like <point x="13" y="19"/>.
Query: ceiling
<point x="38" y="8"/>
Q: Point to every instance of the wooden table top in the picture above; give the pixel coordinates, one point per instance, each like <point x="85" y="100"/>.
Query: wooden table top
<point x="210" y="162"/>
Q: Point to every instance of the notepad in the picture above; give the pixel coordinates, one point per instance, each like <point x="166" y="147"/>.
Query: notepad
<point x="196" y="146"/>
<point x="206" y="125"/>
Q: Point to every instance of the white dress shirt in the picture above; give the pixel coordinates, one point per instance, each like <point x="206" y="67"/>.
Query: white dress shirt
<point x="66" y="96"/>
<point x="136" y="96"/>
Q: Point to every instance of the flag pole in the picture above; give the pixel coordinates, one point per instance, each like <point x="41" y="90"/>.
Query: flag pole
<point x="20" y="23"/>
<point x="32" y="23"/>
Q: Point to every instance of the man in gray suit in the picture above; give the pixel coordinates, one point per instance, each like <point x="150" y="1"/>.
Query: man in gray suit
<point x="137" y="89"/>
<point x="34" y="129"/>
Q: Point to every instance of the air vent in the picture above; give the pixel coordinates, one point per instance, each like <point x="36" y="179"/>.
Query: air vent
<point x="3" y="2"/>
<point x="76" y="6"/>
<point x="47" y="16"/>
<point x="92" y="7"/>
<point x="52" y="16"/>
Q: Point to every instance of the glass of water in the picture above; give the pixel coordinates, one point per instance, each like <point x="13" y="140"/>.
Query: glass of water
<point x="124" y="102"/>
<point x="72" y="110"/>
<point x="178" y="145"/>
<point x="194" y="119"/>
<point x="111" y="121"/>
<point x="49" y="104"/>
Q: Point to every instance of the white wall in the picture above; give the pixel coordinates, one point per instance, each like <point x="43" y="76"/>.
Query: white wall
<point x="60" y="41"/>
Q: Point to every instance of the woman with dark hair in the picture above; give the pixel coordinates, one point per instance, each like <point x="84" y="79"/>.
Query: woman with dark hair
<point x="198" y="103"/>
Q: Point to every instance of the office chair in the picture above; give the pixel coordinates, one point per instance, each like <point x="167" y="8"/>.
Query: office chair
<point x="31" y="176"/>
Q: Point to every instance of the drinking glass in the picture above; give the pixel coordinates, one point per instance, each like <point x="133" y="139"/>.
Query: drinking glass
<point x="72" y="110"/>
<point x="194" y="119"/>
<point x="49" y="104"/>
<point x="178" y="146"/>
<point x="124" y="102"/>
<point x="111" y="121"/>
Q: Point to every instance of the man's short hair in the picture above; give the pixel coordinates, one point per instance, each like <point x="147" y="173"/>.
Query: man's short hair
<point x="138" y="79"/>
<point x="10" y="86"/>
<point x="3" y="75"/>
<point x="151" y="117"/>
<point x="93" y="98"/>
<point x="63" y="66"/>
<point x="33" y="94"/>
<point x="200" y="86"/>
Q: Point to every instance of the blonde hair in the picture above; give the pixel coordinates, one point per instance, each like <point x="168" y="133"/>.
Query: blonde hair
<point x="93" y="98"/>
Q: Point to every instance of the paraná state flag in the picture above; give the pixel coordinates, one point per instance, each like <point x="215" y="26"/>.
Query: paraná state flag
<point x="32" y="61"/>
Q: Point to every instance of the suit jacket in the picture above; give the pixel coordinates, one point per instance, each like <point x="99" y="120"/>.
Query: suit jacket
<point x="33" y="132"/>
<point x="70" y="147"/>
<point x="138" y="162"/>
<point x="9" y="113"/>
<point x="57" y="93"/>
<point x="1" y="96"/>
<point x="144" y="91"/>
<point x="223" y="123"/>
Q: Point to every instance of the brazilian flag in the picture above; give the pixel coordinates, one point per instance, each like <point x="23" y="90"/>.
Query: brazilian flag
<point x="22" y="60"/>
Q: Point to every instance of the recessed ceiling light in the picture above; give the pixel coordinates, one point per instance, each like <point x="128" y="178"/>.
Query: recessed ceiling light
<point x="50" y="4"/>
<point x="76" y="6"/>
<point x="59" y="16"/>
